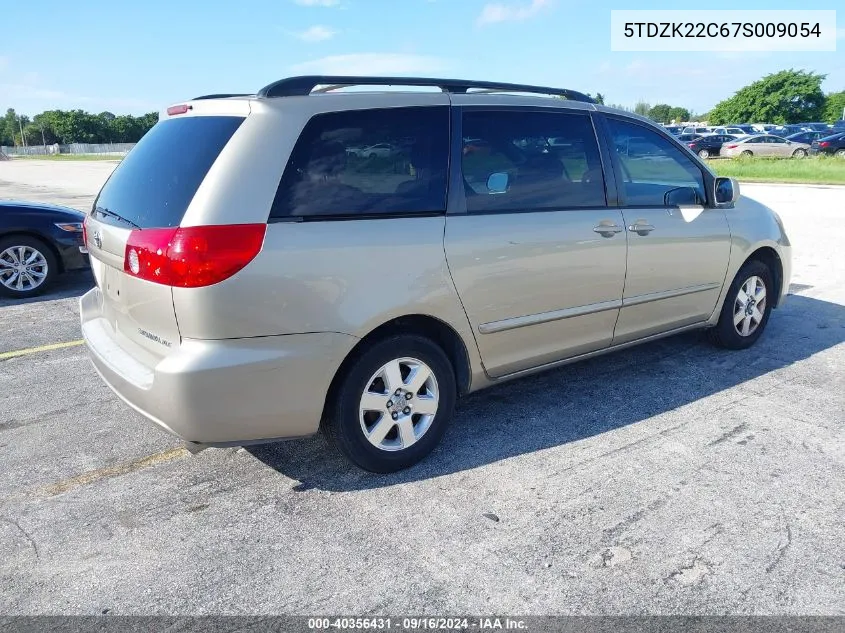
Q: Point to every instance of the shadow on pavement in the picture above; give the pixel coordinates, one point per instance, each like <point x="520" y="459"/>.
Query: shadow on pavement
<point x="73" y="284"/>
<point x="580" y="400"/>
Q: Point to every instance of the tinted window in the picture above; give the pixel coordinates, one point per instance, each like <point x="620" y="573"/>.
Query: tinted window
<point x="365" y="162"/>
<point x="551" y="160"/>
<point x="155" y="183"/>
<point x="651" y="165"/>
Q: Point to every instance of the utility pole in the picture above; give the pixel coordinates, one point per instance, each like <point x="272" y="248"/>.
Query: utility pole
<point x="20" y="125"/>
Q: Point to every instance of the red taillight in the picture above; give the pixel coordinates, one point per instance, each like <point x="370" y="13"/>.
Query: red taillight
<point x="85" y="231"/>
<point x="824" y="144"/>
<point x="178" y="109"/>
<point x="193" y="256"/>
<point x="731" y="146"/>
<point x="691" y="144"/>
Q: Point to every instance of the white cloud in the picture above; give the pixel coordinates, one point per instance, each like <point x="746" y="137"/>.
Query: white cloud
<point x="497" y="12"/>
<point x="316" y="33"/>
<point x="371" y="64"/>
<point x="318" y="3"/>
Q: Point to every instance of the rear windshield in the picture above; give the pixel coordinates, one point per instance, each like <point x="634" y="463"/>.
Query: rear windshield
<point x="154" y="184"/>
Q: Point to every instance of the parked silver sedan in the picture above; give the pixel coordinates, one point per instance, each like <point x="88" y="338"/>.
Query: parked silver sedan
<point x="766" y="145"/>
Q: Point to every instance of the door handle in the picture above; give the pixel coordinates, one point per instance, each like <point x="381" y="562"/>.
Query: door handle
<point x="641" y="227"/>
<point x="607" y="230"/>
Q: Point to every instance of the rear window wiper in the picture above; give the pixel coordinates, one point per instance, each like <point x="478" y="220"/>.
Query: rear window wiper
<point x="112" y="214"/>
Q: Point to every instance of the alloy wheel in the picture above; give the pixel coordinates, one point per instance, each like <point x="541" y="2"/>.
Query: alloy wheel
<point x="750" y="306"/>
<point x="399" y="403"/>
<point x="22" y="268"/>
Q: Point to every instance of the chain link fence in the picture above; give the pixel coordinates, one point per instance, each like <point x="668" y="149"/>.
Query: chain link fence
<point x="115" y="149"/>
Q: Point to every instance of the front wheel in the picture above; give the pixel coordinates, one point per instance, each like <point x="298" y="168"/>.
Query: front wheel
<point x="393" y="404"/>
<point x="27" y="266"/>
<point x="703" y="153"/>
<point x="747" y="307"/>
<point x="799" y="153"/>
<point x="840" y="153"/>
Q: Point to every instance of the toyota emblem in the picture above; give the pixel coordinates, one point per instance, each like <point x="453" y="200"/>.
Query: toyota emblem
<point x="98" y="241"/>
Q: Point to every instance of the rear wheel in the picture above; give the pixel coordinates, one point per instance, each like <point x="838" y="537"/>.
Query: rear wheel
<point x="747" y="153"/>
<point x="799" y="153"/>
<point x="27" y="266"/>
<point x="747" y="307"/>
<point x="703" y="153"/>
<point x="393" y="404"/>
<point x="840" y="153"/>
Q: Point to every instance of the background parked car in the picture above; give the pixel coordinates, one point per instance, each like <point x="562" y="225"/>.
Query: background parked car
<point x="732" y="130"/>
<point x="372" y="151"/>
<point x="710" y="144"/>
<point x="833" y="145"/>
<point x="765" y="145"/>
<point x="806" y="137"/>
<point x="786" y="130"/>
<point x="817" y="126"/>
<point x="688" y="138"/>
<point x="695" y="129"/>
<point x="37" y="243"/>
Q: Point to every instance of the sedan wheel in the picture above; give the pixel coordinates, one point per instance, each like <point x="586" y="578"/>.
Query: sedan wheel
<point x="840" y="153"/>
<point x="392" y="404"/>
<point x="703" y="153"/>
<point x="799" y="153"/>
<point x="27" y="266"/>
<point x="747" y="153"/>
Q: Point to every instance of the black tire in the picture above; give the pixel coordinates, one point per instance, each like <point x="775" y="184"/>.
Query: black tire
<point x="45" y="251"/>
<point x="799" y="153"/>
<point x="840" y="153"/>
<point x="703" y="153"/>
<point x="344" y="420"/>
<point x="746" y="153"/>
<point x="725" y="334"/>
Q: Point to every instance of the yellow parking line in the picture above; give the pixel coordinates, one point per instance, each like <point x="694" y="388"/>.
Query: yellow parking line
<point x="42" y="348"/>
<point x="111" y="471"/>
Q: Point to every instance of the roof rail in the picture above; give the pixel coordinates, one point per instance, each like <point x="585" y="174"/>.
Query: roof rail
<point x="304" y="85"/>
<point x="222" y="96"/>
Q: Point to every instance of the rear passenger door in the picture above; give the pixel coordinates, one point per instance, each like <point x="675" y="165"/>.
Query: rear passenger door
<point x="536" y="254"/>
<point x="678" y="244"/>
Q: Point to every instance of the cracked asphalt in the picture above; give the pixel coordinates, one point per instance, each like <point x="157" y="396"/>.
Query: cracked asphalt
<point x="673" y="478"/>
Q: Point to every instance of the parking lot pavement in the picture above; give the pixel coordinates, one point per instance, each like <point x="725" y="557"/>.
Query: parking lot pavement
<point x="670" y="478"/>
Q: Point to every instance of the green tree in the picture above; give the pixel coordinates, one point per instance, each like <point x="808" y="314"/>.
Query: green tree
<point x="660" y="113"/>
<point x="834" y="105"/>
<point x="642" y="108"/>
<point x="679" y="114"/>
<point x="8" y="127"/>
<point x="789" y="96"/>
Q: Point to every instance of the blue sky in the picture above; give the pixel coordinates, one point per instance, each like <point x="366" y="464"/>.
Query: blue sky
<point x="134" y="57"/>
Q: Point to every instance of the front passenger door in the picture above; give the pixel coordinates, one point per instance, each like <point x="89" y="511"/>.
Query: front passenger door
<point x="678" y="246"/>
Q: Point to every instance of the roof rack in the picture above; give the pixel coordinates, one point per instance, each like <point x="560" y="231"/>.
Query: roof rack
<point x="222" y="96"/>
<point x="305" y="85"/>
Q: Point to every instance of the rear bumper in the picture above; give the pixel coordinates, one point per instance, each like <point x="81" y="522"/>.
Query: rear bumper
<point x="220" y="391"/>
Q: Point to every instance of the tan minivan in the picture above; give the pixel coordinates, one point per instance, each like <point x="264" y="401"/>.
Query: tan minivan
<point x="261" y="269"/>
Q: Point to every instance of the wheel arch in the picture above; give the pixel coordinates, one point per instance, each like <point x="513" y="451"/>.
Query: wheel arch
<point x="771" y="259"/>
<point x="425" y="325"/>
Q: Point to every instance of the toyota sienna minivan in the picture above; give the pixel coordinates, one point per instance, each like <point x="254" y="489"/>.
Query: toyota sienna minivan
<point x="258" y="277"/>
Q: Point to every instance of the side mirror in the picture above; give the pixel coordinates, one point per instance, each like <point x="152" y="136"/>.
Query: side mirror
<point x="681" y="197"/>
<point x="498" y="182"/>
<point x="727" y="190"/>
